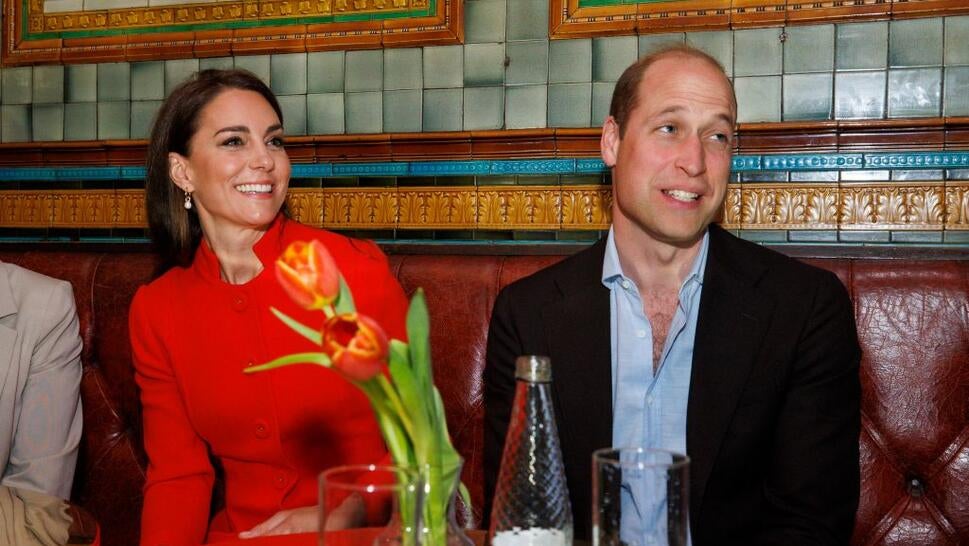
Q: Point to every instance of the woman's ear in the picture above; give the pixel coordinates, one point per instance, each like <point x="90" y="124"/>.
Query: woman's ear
<point x="179" y="172"/>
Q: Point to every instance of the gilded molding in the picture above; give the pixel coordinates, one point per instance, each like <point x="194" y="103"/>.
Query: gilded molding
<point x="909" y="205"/>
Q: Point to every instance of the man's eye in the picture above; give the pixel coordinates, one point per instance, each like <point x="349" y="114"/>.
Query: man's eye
<point x="720" y="137"/>
<point x="669" y="129"/>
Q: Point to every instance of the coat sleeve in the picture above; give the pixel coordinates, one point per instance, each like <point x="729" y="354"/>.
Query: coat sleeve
<point x="180" y="477"/>
<point x="504" y="346"/>
<point x="48" y="432"/>
<point x="812" y="483"/>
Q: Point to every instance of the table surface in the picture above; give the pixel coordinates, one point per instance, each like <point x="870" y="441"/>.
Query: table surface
<point x="352" y="537"/>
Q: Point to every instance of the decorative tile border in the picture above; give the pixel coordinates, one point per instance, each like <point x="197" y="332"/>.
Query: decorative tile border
<point x="848" y="206"/>
<point x="485" y="167"/>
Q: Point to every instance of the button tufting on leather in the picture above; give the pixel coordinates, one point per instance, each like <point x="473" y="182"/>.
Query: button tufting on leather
<point x="915" y="487"/>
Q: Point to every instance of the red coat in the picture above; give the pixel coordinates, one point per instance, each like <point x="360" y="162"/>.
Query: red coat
<point x="271" y="433"/>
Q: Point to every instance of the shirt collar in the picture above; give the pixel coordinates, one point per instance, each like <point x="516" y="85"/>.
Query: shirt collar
<point x="612" y="269"/>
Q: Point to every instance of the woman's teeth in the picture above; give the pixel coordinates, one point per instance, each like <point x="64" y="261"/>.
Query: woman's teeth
<point x="255" y="188"/>
<point x="681" y="195"/>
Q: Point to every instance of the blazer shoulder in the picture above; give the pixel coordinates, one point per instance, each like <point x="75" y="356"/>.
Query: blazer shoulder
<point x="32" y="290"/>
<point x="573" y="273"/>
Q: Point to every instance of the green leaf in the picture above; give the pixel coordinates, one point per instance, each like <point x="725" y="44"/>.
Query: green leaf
<point x="399" y="351"/>
<point x="344" y="300"/>
<point x="418" y="329"/>
<point x="309" y="333"/>
<point x="320" y="359"/>
<point x="411" y="402"/>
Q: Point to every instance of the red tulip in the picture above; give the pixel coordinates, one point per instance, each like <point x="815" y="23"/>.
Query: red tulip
<point x="356" y="344"/>
<point x="308" y="274"/>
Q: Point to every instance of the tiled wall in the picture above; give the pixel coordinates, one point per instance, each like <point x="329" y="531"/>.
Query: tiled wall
<point x="508" y="75"/>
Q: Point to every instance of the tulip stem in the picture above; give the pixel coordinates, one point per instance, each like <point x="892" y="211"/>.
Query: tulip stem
<point x="397" y="404"/>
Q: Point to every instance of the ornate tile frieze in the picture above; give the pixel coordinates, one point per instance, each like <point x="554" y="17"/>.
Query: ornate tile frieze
<point x="918" y="205"/>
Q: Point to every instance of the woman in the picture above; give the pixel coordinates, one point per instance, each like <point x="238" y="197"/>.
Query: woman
<point x="216" y="183"/>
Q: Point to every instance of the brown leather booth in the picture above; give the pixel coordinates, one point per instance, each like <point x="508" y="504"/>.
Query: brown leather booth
<point x="913" y="322"/>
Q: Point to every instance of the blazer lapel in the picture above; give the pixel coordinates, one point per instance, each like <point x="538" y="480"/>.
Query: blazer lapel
<point x="577" y="330"/>
<point x="730" y="329"/>
<point x="8" y="335"/>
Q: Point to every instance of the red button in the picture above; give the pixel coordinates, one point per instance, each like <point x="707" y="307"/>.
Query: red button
<point x="262" y="429"/>
<point x="279" y="481"/>
<point x="240" y="302"/>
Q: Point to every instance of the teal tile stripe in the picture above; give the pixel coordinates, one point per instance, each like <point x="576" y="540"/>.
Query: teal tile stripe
<point x="742" y="163"/>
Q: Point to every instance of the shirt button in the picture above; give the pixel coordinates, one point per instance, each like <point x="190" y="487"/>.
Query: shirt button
<point x="640" y="334"/>
<point x="279" y="481"/>
<point x="649" y="400"/>
<point x="625" y="284"/>
<point x="261" y="430"/>
<point x="240" y="302"/>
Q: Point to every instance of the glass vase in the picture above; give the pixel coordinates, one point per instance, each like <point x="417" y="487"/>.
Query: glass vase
<point x="370" y="504"/>
<point x="439" y="526"/>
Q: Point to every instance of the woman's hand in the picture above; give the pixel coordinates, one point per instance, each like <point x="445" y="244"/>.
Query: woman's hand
<point x="287" y="522"/>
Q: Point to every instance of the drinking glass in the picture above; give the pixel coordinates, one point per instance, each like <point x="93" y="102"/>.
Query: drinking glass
<point x="640" y="497"/>
<point x="370" y="504"/>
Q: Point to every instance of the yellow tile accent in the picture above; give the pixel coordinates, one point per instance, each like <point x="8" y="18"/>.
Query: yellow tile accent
<point x="909" y="205"/>
<point x="957" y="205"/>
<point x="437" y="207"/>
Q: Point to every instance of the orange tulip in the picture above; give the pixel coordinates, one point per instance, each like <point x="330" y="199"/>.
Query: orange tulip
<point x="356" y="344"/>
<point x="308" y="274"/>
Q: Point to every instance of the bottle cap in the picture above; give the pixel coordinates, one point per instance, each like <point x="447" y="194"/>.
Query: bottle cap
<point x="534" y="369"/>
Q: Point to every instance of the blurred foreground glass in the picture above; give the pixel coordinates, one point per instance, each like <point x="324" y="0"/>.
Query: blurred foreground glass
<point x="640" y="497"/>
<point x="369" y="504"/>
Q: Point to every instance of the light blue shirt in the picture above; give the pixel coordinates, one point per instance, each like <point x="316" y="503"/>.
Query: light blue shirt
<point x="649" y="409"/>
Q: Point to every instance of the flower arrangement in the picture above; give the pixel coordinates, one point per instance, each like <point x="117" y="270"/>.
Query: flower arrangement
<point x="394" y="375"/>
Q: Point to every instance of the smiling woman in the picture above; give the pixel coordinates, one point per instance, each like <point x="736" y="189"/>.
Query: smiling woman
<point x="217" y="177"/>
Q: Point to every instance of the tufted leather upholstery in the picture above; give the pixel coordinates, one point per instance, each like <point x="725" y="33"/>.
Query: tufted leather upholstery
<point x="913" y="323"/>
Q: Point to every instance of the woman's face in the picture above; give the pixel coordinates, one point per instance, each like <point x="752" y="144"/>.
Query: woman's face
<point x="237" y="168"/>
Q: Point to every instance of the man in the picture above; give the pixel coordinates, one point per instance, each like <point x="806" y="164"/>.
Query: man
<point x="674" y="334"/>
<point x="40" y="374"/>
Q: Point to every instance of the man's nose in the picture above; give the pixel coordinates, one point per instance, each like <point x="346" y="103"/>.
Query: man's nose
<point x="692" y="156"/>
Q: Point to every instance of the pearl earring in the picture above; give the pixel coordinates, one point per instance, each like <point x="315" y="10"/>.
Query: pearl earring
<point x="188" y="201"/>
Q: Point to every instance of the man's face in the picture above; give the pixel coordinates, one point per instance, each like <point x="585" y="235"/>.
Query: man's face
<point x="670" y="167"/>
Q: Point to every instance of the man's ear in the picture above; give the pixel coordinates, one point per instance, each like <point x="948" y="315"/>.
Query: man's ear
<point x="609" y="143"/>
<point x="179" y="172"/>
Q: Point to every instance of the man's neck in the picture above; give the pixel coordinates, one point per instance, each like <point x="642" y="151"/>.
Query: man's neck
<point x="655" y="266"/>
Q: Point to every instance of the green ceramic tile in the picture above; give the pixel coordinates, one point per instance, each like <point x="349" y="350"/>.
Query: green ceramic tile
<point x="808" y="96"/>
<point x="956" y="237"/>
<point x="809" y="48"/>
<point x="17" y="85"/>
<point x="484" y="65"/>
<point x="813" y="236"/>
<point x="287" y="72"/>
<point x="403" y="69"/>
<point x="294" y="114"/>
<point x="611" y="56"/>
<point x="569" y="104"/>
<point x="956" y="38"/>
<point x="484" y="21"/>
<point x="260" y="65"/>
<point x="758" y="52"/>
<point x="718" y="44"/>
<point x="114" y="81"/>
<point x="915" y="42"/>
<point x="402" y="111"/>
<point x="570" y="61"/>
<point x="865" y="176"/>
<point x="758" y="98"/>
<point x="601" y="99"/>
<point x="927" y="174"/>
<point x="81" y="82"/>
<point x="864" y="236"/>
<point x="957" y="91"/>
<point x="324" y="72"/>
<point x="443" y="66"/>
<point x="218" y="63"/>
<point x="48" y="84"/>
<point x="914" y="92"/>
<point x="527" y="20"/>
<point x="15" y="123"/>
<point x="859" y="95"/>
<point x="525" y="106"/>
<point x="177" y="71"/>
<point x="527" y="62"/>
<point x="148" y="80"/>
<point x="114" y="120"/>
<point x="81" y="121"/>
<point x="443" y="109"/>
<point x="364" y="112"/>
<point x="365" y="70"/>
<point x="814" y="176"/>
<point x="483" y="108"/>
<point x="142" y="117"/>
<point x="325" y="114"/>
<point x="764" y="235"/>
<point x="861" y="45"/>
<point x="649" y="43"/>
<point x="48" y="122"/>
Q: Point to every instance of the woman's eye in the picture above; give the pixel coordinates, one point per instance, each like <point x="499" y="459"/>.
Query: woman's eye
<point x="276" y="142"/>
<point x="232" y="141"/>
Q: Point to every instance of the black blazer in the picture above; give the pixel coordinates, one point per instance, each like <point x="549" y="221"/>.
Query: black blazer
<point x="773" y="416"/>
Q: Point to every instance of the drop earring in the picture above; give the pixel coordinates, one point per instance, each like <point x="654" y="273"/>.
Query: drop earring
<point x="188" y="200"/>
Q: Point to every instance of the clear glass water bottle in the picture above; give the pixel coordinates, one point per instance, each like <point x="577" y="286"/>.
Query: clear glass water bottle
<point x="531" y="505"/>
